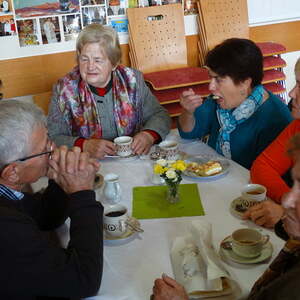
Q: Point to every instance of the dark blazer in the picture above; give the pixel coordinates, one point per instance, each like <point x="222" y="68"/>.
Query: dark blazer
<point x="32" y="267"/>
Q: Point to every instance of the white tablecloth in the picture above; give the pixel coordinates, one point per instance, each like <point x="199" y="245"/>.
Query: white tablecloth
<point x="131" y="268"/>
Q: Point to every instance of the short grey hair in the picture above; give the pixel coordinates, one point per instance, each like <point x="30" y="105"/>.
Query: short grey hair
<point x="105" y="36"/>
<point x="18" y="119"/>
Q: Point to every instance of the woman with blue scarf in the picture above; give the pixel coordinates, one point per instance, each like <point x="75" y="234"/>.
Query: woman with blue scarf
<point x="241" y="117"/>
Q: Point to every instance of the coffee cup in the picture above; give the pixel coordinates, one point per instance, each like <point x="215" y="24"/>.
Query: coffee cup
<point x="169" y="149"/>
<point x="123" y="144"/>
<point x="254" y="192"/>
<point x="248" y="242"/>
<point x="115" y="219"/>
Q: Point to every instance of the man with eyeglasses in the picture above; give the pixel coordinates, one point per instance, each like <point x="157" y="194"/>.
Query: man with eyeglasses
<point x="33" y="267"/>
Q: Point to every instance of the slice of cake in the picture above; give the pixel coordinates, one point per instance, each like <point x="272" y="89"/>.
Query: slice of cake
<point x="207" y="169"/>
<point x="211" y="168"/>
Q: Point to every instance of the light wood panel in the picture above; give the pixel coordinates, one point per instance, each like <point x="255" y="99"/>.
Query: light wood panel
<point x="157" y="37"/>
<point x="222" y="19"/>
<point x="287" y="34"/>
<point x="35" y="74"/>
<point x="42" y="100"/>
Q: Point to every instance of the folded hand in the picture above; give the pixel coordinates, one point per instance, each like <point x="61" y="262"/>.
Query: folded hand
<point x="72" y="169"/>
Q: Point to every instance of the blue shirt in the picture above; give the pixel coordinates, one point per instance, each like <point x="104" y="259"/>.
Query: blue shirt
<point x="249" y="138"/>
<point x="10" y="193"/>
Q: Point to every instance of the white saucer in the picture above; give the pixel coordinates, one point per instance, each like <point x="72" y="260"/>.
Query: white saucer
<point x="233" y="207"/>
<point x="230" y="255"/>
<point x="128" y="236"/>
<point x="131" y="157"/>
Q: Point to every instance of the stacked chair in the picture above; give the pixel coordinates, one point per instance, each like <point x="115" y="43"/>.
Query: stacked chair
<point x="157" y="47"/>
<point x="222" y="19"/>
<point x="219" y="20"/>
<point x="274" y="78"/>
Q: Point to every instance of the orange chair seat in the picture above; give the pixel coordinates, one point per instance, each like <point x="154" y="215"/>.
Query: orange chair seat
<point x="173" y="95"/>
<point x="175" y="78"/>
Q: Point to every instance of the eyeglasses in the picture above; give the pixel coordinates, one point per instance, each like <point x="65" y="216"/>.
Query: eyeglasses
<point x="35" y="155"/>
<point x="49" y="152"/>
<point x="49" y="147"/>
<point x="27" y="157"/>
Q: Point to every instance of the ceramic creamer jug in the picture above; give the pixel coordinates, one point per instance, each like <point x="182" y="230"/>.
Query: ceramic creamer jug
<point x="112" y="189"/>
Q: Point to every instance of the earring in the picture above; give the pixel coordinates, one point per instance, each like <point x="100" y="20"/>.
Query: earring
<point x="243" y="93"/>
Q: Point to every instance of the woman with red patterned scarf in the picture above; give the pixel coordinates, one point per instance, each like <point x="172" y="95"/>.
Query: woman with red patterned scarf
<point x="101" y="99"/>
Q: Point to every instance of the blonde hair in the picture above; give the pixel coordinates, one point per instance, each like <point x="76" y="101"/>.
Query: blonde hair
<point x="297" y="66"/>
<point x="105" y="36"/>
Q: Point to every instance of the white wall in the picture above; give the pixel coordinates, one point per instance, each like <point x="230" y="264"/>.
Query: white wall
<point x="263" y="12"/>
<point x="290" y="59"/>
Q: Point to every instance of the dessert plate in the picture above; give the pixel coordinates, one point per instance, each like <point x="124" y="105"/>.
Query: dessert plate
<point x="230" y="255"/>
<point x="203" y="159"/>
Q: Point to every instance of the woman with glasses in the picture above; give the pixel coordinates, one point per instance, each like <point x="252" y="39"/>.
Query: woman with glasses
<point x="100" y="100"/>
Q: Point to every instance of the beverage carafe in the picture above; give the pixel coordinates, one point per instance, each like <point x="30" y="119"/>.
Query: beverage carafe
<point x="112" y="189"/>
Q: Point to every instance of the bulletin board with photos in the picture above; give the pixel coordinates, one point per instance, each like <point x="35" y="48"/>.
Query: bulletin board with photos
<point x="41" y="22"/>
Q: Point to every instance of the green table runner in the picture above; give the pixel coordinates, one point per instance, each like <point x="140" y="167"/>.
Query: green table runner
<point x="149" y="202"/>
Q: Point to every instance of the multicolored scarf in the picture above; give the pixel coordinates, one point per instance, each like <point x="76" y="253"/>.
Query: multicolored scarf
<point x="229" y="119"/>
<point x="79" y="108"/>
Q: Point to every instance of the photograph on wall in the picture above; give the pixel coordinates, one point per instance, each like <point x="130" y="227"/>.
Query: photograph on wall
<point x="190" y="7"/>
<point x="7" y="26"/>
<point x="5" y="7"/>
<point x="92" y="2"/>
<point x="34" y="8"/>
<point x="120" y="25"/>
<point x="72" y="26"/>
<point x="50" y="30"/>
<point x="96" y="14"/>
<point x="27" y="30"/>
<point x="116" y="7"/>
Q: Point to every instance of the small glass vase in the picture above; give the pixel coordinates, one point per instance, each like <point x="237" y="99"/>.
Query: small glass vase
<point x="173" y="193"/>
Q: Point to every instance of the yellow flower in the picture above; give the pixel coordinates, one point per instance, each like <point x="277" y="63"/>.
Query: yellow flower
<point x="179" y="165"/>
<point x="158" y="169"/>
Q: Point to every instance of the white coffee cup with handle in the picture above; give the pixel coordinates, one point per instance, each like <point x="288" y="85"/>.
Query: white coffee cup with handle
<point x="169" y="149"/>
<point x="123" y="144"/>
<point x="115" y="219"/>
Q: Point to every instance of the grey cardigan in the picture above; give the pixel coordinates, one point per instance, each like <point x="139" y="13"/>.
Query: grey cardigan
<point x="154" y="116"/>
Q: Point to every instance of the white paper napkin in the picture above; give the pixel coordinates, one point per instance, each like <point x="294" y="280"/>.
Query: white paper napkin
<point x="195" y="263"/>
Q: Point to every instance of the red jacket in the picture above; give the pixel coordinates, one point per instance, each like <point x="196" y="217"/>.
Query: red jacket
<point x="273" y="162"/>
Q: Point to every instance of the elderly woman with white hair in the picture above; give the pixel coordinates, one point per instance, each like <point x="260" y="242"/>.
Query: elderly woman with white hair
<point x="100" y="100"/>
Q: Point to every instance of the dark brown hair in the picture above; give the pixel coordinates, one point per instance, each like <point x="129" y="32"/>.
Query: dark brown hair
<point x="237" y="58"/>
